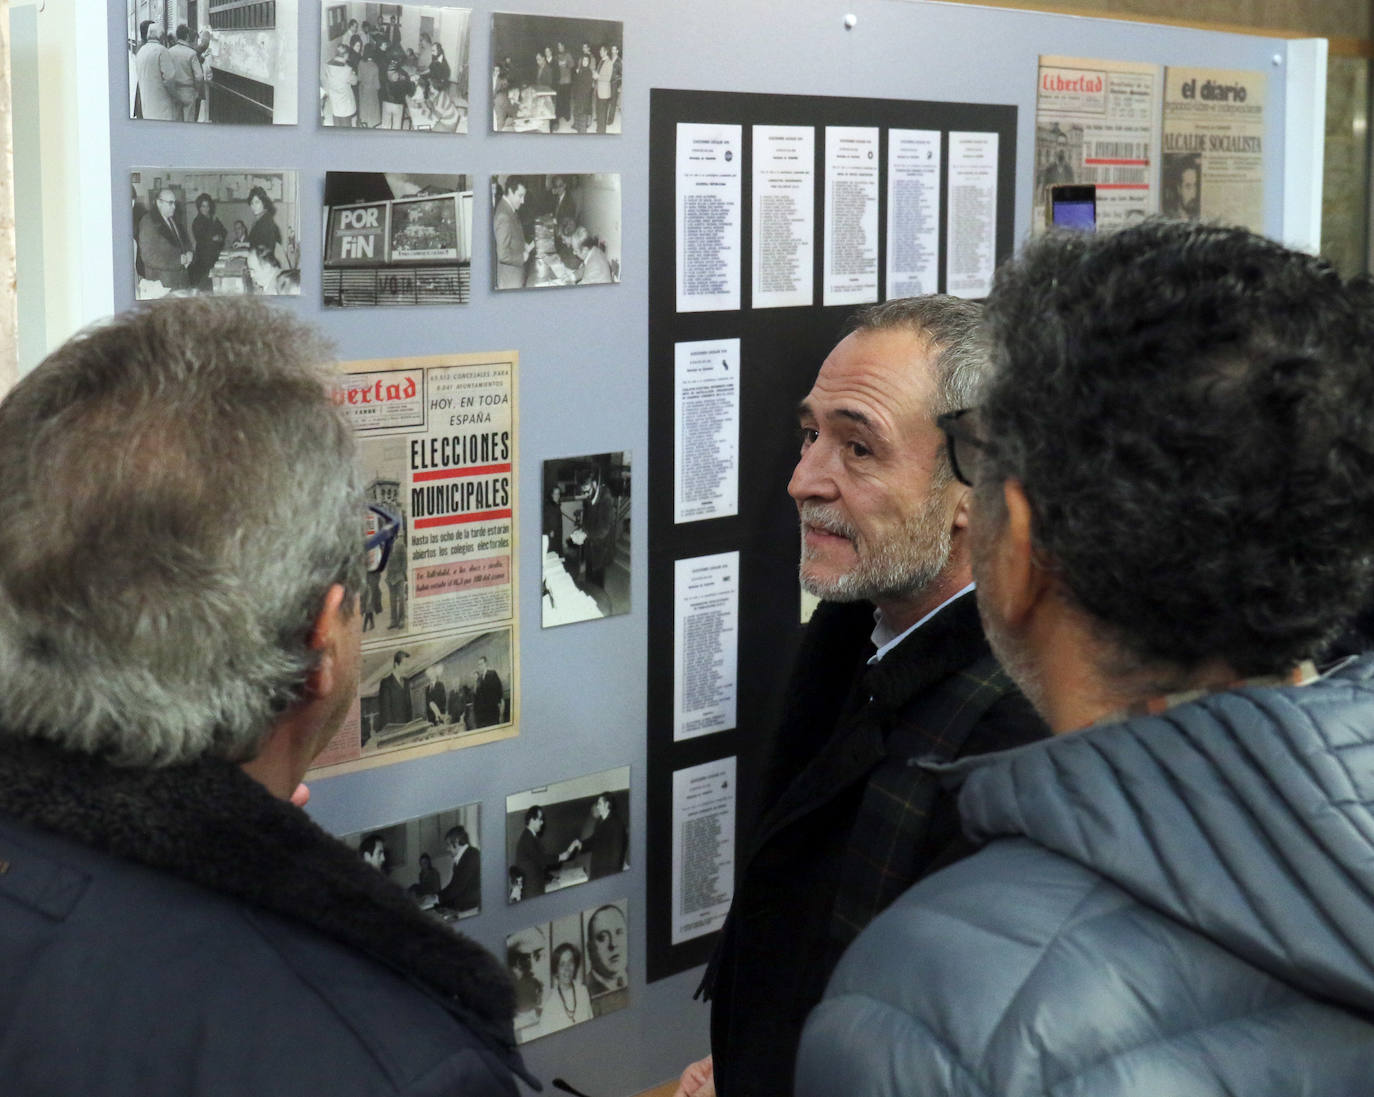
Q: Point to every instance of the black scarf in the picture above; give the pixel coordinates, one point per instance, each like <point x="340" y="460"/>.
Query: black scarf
<point x="208" y="822"/>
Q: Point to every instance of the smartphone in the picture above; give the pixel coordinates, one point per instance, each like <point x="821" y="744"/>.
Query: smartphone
<point x="1074" y="206"/>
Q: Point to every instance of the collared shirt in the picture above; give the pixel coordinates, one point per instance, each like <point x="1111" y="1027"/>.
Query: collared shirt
<point x="885" y="640"/>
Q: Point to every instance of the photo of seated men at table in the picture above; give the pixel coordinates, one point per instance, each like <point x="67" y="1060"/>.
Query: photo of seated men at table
<point x="438" y="689"/>
<point x="586" y="538"/>
<point x="569" y="970"/>
<point x="551" y="74"/>
<point x="433" y="857"/>
<point x="555" y="230"/>
<point x="567" y="833"/>
<point x="394" y="67"/>
<point x="183" y="245"/>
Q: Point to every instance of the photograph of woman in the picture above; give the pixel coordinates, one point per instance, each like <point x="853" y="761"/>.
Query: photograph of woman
<point x="567" y="1002"/>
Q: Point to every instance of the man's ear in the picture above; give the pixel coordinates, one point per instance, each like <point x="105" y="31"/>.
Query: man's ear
<point x="1022" y="580"/>
<point x="961" y="506"/>
<point x="327" y="635"/>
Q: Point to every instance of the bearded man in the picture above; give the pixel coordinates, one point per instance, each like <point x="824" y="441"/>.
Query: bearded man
<point x="893" y="669"/>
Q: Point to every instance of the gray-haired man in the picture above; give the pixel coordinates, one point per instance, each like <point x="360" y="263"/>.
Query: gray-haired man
<point x="180" y="564"/>
<point x="847" y="821"/>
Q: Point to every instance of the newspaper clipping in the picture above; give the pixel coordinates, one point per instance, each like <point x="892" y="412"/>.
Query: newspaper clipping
<point x="1096" y="122"/>
<point x="436" y="449"/>
<point x="1214" y="146"/>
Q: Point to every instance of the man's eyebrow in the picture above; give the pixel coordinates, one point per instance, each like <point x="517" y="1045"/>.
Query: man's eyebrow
<point x="805" y="411"/>
<point x="854" y="417"/>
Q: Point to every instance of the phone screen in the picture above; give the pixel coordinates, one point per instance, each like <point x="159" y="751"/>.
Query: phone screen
<point x="1075" y="215"/>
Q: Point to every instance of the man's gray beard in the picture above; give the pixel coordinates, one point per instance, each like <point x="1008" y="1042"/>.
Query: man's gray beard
<point x="903" y="564"/>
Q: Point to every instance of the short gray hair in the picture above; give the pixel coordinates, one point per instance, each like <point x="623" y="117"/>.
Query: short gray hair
<point x="950" y="323"/>
<point x="180" y="495"/>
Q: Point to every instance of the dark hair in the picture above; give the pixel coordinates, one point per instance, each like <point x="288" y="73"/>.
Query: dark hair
<point x="457" y="834"/>
<point x="558" y="951"/>
<point x="143" y="29"/>
<point x="371" y="843"/>
<point x="1190" y="410"/>
<point x="183" y="33"/>
<point x="533" y="812"/>
<point x="204" y="197"/>
<point x="268" y="206"/>
<point x="610" y="802"/>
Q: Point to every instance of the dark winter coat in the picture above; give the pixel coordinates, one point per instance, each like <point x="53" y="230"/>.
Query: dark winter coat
<point x="824" y="859"/>
<point x="179" y="932"/>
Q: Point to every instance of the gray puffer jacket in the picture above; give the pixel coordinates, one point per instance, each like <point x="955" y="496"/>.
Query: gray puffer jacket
<point x="1180" y="904"/>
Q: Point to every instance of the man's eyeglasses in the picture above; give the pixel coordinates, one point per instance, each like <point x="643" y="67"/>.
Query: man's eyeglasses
<point x="959" y="437"/>
<point x="384" y="525"/>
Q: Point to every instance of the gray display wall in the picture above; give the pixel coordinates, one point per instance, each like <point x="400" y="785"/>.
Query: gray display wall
<point x="583" y="386"/>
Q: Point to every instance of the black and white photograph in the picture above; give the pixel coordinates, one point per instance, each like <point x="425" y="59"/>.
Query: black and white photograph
<point x="570" y="970"/>
<point x="567" y="833"/>
<point x="215" y="232"/>
<point x="414" y="693"/>
<point x="212" y="61"/>
<point x="394" y="67"/>
<point x="1057" y="149"/>
<point x="552" y="74"/>
<point x="586" y="538"/>
<point x="1181" y="196"/>
<point x="383" y="463"/>
<point x="555" y="230"/>
<point x="393" y="238"/>
<point x="435" y="858"/>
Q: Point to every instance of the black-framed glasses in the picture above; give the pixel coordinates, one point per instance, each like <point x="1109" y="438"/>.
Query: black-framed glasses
<point x="959" y="432"/>
<point x="383" y="525"/>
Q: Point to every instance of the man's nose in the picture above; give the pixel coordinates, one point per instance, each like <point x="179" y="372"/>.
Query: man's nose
<point x="812" y="478"/>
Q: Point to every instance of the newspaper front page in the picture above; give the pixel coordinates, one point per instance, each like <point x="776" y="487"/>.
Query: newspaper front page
<point x="436" y="445"/>
<point x="1214" y="146"/>
<point x="1097" y="122"/>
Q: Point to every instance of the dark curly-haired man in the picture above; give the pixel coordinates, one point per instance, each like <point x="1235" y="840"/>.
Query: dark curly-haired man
<point x="1172" y="468"/>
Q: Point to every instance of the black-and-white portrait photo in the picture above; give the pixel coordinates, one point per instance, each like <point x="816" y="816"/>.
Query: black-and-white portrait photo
<point x="215" y="232"/>
<point x="570" y="970"/>
<point x="212" y="61"/>
<point x="586" y="538"/>
<point x="552" y="74"/>
<point x="1057" y="149"/>
<point x="393" y="238"/>
<point x="436" y="858"/>
<point x="555" y="230"/>
<point x="1181" y="195"/>
<point x="567" y="833"/>
<point x="413" y="693"/>
<point x="394" y="67"/>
